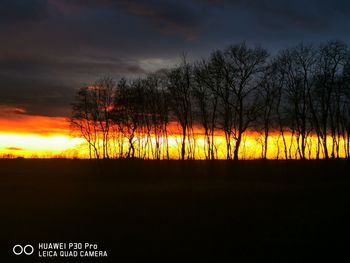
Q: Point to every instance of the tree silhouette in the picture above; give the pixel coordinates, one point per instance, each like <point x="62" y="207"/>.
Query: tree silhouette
<point x="180" y="83"/>
<point x="91" y="115"/>
<point x="301" y="95"/>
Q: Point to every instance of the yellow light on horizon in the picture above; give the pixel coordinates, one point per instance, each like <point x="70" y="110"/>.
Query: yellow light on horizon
<point x="59" y="145"/>
<point x="27" y="145"/>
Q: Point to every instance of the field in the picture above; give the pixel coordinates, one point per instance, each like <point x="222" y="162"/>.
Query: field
<point x="173" y="211"/>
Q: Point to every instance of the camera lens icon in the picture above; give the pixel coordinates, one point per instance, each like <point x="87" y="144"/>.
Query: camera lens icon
<point x="19" y="250"/>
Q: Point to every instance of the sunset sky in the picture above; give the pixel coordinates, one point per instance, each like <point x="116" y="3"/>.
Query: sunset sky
<point x="49" y="48"/>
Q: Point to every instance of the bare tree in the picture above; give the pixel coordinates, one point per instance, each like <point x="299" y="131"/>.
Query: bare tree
<point x="157" y="111"/>
<point x="206" y="97"/>
<point x="243" y="70"/>
<point x="84" y="122"/>
<point x="299" y="67"/>
<point x="126" y="112"/>
<point x="221" y="91"/>
<point x="103" y="92"/>
<point x="302" y="93"/>
<point x="91" y="115"/>
<point x="180" y="83"/>
<point x="268" y="98"/>
<point x="331" y="60"/>
<point x="345" y="109"/>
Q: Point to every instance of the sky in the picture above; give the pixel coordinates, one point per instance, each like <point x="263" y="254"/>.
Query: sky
<point x="50" y="48"/>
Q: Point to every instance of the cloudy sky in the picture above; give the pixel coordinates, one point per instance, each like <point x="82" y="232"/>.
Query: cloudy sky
<point x="49" y="48"/>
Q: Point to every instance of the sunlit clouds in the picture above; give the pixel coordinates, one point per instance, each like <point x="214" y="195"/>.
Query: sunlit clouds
<point x="23" y="135"/>
<point x="14" y="120"/>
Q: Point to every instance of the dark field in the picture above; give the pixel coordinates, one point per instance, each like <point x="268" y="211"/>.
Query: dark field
<point x="249" y="211"/>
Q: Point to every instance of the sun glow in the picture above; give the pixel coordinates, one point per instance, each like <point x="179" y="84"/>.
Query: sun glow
<point x="31" y="145"/>
<point x="32" y="136"/>
<point x="50" y="137"/>
<point x="63" y="146"/>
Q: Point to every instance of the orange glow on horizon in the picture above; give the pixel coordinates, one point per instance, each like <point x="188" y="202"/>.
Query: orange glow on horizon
<point x="28" y="124"/>
<point x="31" y="136"/>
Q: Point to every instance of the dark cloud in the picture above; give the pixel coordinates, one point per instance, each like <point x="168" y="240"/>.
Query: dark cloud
<point x="14" y="149"/>
<point x="45" y="84"/>
<point x="18" y="11"/>
<point x="11" y="110"/>
<point x="168" y="16"/>
<point x="49" y="48"/>
<point x="70" y="66"/>
<point x="35" y="97"/>
<point x="308" y="15"/>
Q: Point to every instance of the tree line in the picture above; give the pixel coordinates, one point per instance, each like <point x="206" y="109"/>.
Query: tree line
<point x="300" y="95"/>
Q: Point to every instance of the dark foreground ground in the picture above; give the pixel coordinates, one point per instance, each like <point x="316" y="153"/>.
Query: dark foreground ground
<point x="249" y="211"/>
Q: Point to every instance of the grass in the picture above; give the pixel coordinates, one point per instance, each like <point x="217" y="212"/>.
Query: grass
<point x="219" y="211"/>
